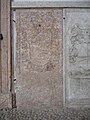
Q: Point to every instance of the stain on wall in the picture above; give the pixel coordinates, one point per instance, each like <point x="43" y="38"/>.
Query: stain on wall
<point x="39" y="58"/>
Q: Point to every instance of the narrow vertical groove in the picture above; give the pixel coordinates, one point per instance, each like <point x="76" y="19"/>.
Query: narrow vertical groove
<point x="13" y="95"/>
<point x="7" y="9"/>
<point x="0" y="52"/>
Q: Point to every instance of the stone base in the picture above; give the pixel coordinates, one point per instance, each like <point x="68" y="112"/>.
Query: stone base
<point x="46" y="114"/>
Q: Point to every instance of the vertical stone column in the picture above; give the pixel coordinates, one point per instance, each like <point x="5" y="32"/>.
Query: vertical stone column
<point x="5" y="53"/>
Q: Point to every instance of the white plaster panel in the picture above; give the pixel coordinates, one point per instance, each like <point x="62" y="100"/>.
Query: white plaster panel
<point x="77" y="56"/>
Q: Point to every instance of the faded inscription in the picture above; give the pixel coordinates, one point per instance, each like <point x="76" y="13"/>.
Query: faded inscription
<point x="78" y="56"/>
<point x="39" y="57"/>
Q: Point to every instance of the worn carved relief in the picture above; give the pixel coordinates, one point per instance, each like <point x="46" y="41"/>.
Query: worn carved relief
<point x="80" y="38"/>
<point x="78" y="57"/>
<point x="39" y="57"/>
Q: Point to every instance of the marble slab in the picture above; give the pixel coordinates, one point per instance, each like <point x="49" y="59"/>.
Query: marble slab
<point x="51" y="3"/>
<point x="77" y="57"/>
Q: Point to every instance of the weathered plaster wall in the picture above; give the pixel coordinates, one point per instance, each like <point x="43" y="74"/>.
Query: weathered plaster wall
<point x="39" y="57"/>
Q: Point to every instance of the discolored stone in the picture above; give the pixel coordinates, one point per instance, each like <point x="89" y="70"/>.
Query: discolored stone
<point x="39" y="58"/>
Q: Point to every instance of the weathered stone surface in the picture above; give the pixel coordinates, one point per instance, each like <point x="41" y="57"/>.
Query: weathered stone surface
<point x="50" y="3"/>
<point x="5" y="53"/>
<point x="39" y="58"/>
<point x="77" y="56"/>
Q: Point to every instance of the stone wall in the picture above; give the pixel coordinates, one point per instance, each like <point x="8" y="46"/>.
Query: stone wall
<point x="53" y="57"/>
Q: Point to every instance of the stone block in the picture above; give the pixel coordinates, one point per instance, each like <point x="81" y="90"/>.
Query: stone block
<point x="77" y="57"/>
<point x="39" y="58"/>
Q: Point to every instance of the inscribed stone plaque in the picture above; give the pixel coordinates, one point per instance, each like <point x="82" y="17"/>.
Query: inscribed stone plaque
<point x="39" y="57"/>
<point x="77" y="56"/>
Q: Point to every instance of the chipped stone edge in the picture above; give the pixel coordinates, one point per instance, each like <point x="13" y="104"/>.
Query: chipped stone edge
<point x="64" y="65"/>
<point x="50" y="4"/>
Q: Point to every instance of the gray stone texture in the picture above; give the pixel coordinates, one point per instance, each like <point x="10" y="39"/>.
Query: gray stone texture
<point x="51" y="3"/>
<point x="45" y="114"/>
<point x="77" y="56"/>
